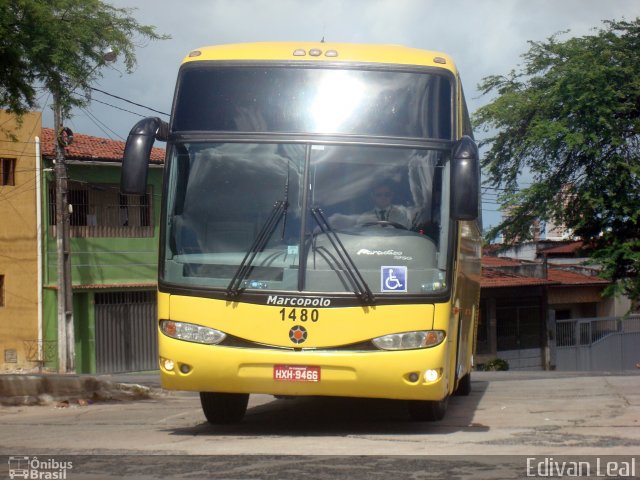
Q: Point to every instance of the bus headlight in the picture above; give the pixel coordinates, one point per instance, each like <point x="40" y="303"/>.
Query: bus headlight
<point x="190" y="332"/>
<point x="410" y="340"/>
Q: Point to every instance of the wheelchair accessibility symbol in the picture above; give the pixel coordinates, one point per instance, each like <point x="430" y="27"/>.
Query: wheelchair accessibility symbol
<point x="393" y="279"/>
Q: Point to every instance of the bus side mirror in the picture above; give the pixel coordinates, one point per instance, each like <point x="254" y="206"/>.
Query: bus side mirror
<point x="137" y="151"/>
<point x="465" y="180"/>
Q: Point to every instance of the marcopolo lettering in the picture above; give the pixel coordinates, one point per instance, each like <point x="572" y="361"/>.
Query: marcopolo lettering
<point x="298" y="301"/>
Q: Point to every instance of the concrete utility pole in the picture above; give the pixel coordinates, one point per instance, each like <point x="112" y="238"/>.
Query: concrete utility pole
<point x="66" y="332"/>
<point x="66" y="336"/>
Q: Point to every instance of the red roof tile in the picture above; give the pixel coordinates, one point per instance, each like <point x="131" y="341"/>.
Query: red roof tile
<point x="566" y="277"/>
<point x="86" y="147"/>
<point x="567" y="248"/>
<point x="495" y="278"/>
<point x="492" y="278"/>
<point x="499" y="262"/>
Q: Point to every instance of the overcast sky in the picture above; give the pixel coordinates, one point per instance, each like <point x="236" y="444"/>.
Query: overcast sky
<point x="484" y="37"/>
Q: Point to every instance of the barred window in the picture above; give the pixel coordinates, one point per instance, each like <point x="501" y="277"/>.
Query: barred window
<point x="100" y="210"/>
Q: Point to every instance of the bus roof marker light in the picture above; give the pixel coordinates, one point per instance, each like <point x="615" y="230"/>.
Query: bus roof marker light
<point x="331" y="53"/>
<point x="195" y="53"/>
<point x="299" y="52"/>
<point x="440" y="60"/>
<point x="315" y="52"/>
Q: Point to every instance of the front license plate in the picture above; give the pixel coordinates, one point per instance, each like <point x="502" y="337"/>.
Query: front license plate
<point x="296" y="373"/>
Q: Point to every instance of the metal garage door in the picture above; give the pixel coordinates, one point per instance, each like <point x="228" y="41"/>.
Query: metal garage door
<point x="126" y="335"/>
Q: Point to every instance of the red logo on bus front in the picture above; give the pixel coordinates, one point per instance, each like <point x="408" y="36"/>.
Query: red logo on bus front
<point x="298" y="334"/>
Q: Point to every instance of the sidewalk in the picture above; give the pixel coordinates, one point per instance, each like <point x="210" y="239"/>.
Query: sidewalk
<point x="47" y="388"/>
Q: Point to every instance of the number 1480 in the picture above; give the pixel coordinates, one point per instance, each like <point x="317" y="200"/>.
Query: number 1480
<point x="299" y="314"/>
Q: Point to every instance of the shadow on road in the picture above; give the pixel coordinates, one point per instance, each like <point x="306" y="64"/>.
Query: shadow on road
<point x="319" y="416"/>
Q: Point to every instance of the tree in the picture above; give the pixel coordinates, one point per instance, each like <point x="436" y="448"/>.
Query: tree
<point x="59" y="45"/>
<point x="570" y="115"/>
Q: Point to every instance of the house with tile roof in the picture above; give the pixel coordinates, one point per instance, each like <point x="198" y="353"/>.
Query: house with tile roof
<point x="520" y="303"/>
<point x="513" y="317"/>
<point x="114" y="257"/>
<point x="567" y="255"/>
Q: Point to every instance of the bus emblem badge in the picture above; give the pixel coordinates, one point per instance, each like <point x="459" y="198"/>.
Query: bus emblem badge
<point x="298" y="334"/>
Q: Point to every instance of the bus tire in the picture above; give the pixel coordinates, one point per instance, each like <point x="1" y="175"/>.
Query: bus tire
<point x="428" y="410"/>
<point x="464" y="386"/>
<point x="224" y="408"/>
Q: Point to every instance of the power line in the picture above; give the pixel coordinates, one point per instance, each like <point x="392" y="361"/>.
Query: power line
<point x="26" y="187"/>
<point x="117" y="108"/>
<point x="129" y="101"/>
<point x="101" y="125"/>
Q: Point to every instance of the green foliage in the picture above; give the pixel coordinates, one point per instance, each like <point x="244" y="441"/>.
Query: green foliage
<point x="59" y="45"/>
<point x="570" y="115"/>
<point x="495" y="365"/>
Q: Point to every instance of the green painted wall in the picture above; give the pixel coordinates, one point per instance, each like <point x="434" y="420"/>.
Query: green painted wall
<point x="84" y="322"/>
<point x="109" y="262"/>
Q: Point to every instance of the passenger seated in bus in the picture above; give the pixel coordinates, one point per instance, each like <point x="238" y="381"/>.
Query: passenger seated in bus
<point x="384" y="210"/>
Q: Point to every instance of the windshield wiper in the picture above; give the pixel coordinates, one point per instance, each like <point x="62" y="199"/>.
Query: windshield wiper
<point x="286" y="199"/>
<point x="265" y="233"/>
<point x="358" y="283"/>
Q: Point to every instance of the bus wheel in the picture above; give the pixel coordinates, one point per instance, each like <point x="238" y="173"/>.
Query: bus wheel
<point x="224" y="408"/>
<point x="428" y="410"/>
<point x="464" y="385"/>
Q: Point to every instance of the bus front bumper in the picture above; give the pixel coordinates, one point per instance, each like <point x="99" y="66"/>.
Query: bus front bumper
<point x="409" y="374"/>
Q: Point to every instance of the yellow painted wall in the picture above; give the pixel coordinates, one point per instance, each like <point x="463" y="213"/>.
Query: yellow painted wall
<point x="18" y="243"/>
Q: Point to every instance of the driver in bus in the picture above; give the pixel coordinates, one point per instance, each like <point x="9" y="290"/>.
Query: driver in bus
<point x="384" y="211"/>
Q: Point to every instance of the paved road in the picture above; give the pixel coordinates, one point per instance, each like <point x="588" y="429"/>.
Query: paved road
<point x="508" y="413"/>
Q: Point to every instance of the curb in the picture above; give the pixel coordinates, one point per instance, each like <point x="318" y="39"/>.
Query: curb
<point x="16" y="390"/>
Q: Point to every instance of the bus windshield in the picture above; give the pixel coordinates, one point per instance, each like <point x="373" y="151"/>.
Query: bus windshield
<point x="313" y="100"/>
<point x="313" y="217"/>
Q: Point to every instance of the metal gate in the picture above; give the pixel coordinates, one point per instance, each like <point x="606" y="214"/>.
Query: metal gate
<point x="126" y="333"/>
<point x="598" y="344"/>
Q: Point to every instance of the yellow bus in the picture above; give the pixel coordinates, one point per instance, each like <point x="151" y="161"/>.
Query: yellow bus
<point x="320" y="227"/>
